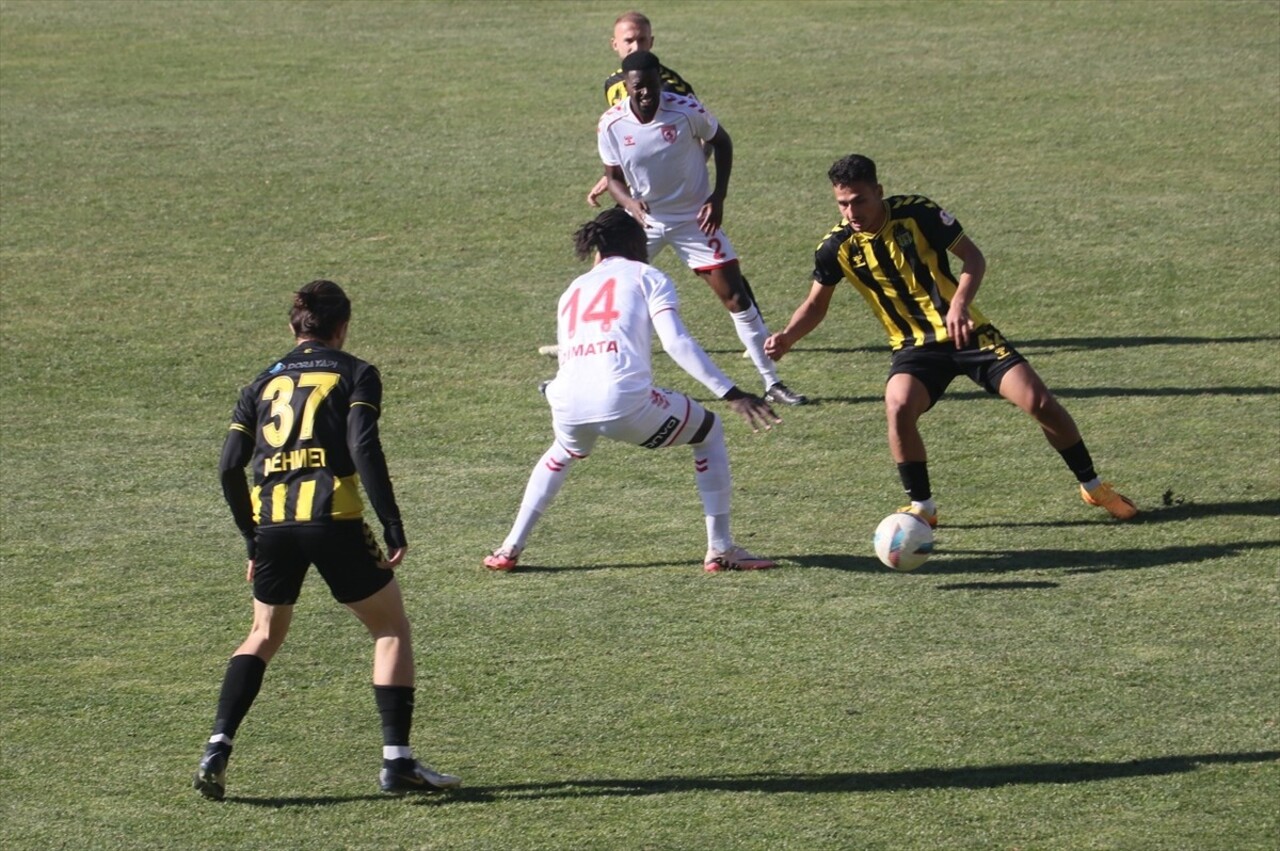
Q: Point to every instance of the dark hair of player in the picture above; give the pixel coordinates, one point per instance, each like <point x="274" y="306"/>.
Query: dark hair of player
<point x="318" y="311"/>
<point x="614" y="234"/>
<point x="641" y="60"/>
<point x="852" y="169"/>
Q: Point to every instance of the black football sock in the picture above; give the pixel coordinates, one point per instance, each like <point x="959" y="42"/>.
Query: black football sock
<point x="395" y="705"/>
<point x="240" y="687"/>
<point x="1078" y="459"/>
<point x="915" y="480"/>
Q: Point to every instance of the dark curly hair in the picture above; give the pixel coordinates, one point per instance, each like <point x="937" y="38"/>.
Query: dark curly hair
<point x="614" y="234"/>
<point x="852" y="169"/>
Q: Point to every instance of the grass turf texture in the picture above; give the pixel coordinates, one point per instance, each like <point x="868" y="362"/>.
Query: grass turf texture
<point x="1048" y="680"/>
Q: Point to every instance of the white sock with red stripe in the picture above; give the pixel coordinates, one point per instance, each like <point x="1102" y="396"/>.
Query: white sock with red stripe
<point x="715" y="486"/>
<point x="753" y="332"/>
<point x="544" y="483"/>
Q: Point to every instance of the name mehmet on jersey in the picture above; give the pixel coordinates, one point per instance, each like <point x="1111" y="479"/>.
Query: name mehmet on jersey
<point x="294" y="459"/>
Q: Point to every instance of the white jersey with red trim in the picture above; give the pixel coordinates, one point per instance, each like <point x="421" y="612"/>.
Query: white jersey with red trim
<point x="663" y="160"/>
<point x="604" y="330"/>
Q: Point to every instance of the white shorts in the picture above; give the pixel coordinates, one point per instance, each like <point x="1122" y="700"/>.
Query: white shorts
<point x="667" y="418"/>
<point x="695" y="248"/>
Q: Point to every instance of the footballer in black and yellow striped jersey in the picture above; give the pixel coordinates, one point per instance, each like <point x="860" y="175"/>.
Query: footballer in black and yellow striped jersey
<point x="900" y="268"/>
<point x="894" y="252"/>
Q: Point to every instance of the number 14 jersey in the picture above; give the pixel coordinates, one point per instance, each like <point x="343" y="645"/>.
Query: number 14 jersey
<point x="604" y="329"/>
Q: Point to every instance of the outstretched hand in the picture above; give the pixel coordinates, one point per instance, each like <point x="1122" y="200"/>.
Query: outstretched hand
<point x="756" y="411"/>
<point x="776" y="346"/>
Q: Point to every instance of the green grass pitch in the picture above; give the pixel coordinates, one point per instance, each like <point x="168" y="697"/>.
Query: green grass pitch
<point x="1049" y="680"/>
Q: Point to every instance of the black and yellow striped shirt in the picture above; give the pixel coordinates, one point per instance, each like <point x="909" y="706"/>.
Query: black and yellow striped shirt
<point x="297" y="417"/>
<point x="902" y="270"/>
<point x="615" y="87"/>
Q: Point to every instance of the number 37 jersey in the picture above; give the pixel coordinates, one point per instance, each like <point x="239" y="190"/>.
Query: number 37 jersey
<point x="297" y="415"/>
<point x="604" y="331"/>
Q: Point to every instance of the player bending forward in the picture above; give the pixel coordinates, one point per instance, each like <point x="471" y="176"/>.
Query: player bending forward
<point x="894" y="252"/>
<point x="604" y="387"/>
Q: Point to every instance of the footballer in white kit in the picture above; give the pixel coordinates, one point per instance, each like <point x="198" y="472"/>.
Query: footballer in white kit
<point x="604" y="387"/>
<point x="651" y="144"/>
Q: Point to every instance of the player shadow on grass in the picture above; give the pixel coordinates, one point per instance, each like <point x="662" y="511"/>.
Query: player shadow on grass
<point x="569" y="568"/>
<point x="966" y="777"/>
<point x="1047" y="344"/>
<point x="1074" y="393"/>
<point x="952" y="562"/>
<point x="1175" y="508"/>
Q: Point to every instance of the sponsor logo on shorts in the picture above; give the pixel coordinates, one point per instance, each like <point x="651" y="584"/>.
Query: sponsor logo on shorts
<point x="662" y="434"/>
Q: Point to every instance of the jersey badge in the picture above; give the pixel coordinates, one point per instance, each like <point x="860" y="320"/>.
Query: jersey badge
<point x="669" y="133"/>
<point x="947" y="218"/>
<point x="903" y="237"/>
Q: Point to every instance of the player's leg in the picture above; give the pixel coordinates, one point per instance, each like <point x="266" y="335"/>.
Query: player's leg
<point x="572" y="443"/>
<point x="918" y="378"/>
<point x="348" y="560"/>
<point x="671" y="419"/>
<point x="383" y="615"/>
<point x="714" y="260"/>
<point x="1022" y="385"/>
<point x="906" y="398"/>
<point x="278" y="572"/>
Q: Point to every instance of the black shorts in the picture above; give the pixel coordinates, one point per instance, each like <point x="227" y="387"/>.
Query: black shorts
<point x="985" y="360"/>
<point x="345" y="552"/>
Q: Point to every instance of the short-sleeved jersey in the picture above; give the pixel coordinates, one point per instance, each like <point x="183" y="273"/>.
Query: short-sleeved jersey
<point x="901" y="270"/>
<point x="604" y="330"/>
<point x="296" y="413"/>
<point x="615" y="86"/>
<point x="662" y="160"/>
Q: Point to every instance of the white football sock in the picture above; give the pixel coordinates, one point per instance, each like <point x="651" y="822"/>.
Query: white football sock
<point x="544" y="483"/>
<point x="715" y="486"/>
<point x="752" y="332"/>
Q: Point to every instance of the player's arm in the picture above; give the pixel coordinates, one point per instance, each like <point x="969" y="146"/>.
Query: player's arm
<point x="365" y="445"/>
<point x="712" y="212"/>
<point x="622" y="195"/>
<point x="808" y="315"/>
<point x="693" y="359"/>
<point x="237" y="449"/>
<point x="972" y="269"/>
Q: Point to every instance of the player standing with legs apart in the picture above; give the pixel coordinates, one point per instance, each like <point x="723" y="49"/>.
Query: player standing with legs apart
<point x="651" y="146"/>
<point x="894" y="251"/>
<point x="310" y="425"/>
<point x="604" y="387"/>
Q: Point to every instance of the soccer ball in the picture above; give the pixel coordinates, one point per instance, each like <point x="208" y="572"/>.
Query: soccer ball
<point x="903" y="541"/>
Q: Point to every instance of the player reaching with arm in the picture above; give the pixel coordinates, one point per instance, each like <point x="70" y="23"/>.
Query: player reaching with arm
<point x="310" y="426"/>
<point x="604" y="387"/>
<point x="894" y="252"/>
<point x="650" y="146"/>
